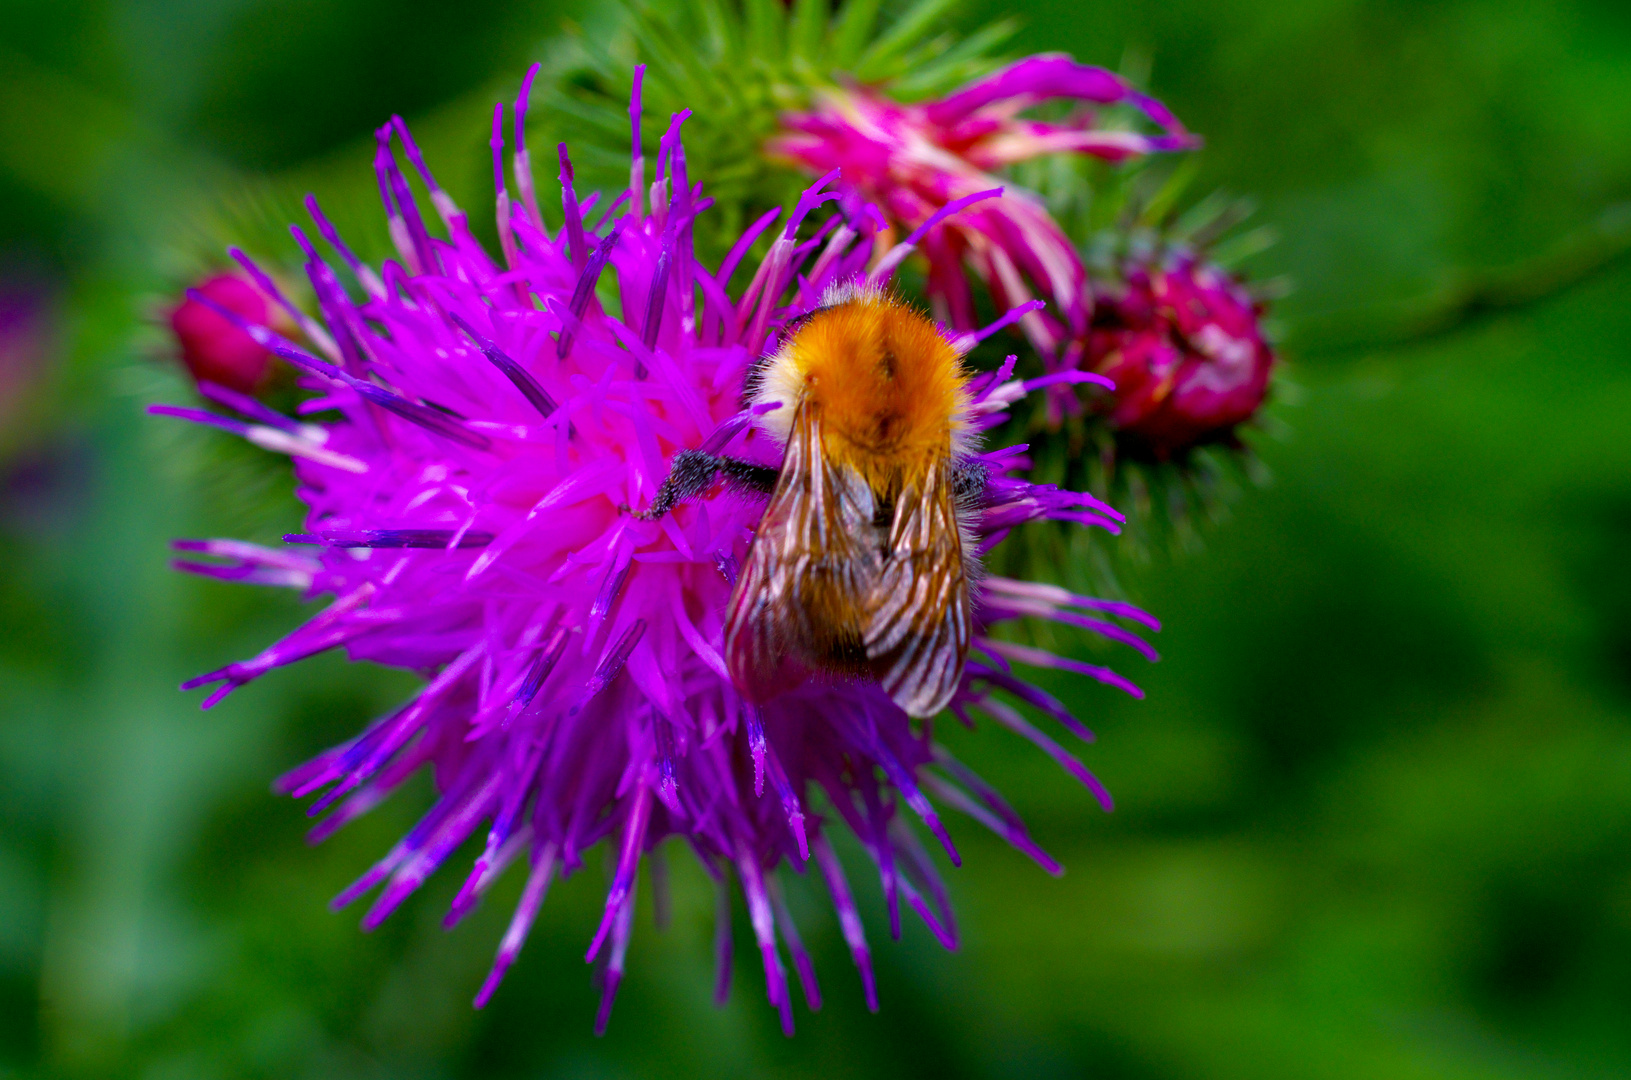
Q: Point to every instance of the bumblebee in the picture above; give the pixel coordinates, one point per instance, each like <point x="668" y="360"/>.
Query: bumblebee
<point x="862" y="563"/>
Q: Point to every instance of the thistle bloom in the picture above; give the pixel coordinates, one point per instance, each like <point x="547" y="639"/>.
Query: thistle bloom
<point x="489" y="425"/>
<point x="213" y="348"/>
<point x="913" y="160"/>
<point x="1182" y="342"/>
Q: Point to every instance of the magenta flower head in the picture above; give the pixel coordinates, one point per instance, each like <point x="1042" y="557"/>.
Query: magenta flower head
<point x="484" y="443"/>
<point x="1182" y="342"/>
<point x="913" y="160"/>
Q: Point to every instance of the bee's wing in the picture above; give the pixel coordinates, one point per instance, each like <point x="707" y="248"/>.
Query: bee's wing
<point x="813" y="561"/>
<point x="920" y="618"/>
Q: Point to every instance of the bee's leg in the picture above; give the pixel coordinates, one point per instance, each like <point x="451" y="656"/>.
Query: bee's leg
<point x="693" y="473"/>
<point x="968" y="483"/>
<point x="746" y="476"/>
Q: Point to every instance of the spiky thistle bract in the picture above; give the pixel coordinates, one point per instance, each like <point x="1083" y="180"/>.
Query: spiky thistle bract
<point x="743" y="64"/>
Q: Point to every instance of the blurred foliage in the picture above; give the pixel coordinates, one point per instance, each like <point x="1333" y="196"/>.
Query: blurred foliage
<point x="1375" y="814"/>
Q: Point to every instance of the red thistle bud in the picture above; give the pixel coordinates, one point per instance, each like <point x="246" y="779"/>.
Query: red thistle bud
<point x="1184" y="346"/>
<point x="215" y="350"/>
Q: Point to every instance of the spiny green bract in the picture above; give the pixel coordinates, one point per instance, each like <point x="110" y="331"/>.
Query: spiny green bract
<point x="738" y="67"/>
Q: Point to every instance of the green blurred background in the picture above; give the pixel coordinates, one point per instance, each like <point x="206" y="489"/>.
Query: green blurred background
<point x="1374" y="818"/>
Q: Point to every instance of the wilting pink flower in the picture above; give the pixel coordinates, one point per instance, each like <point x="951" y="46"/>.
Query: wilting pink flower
<point x="1183" y="344"/>
<point x="487" y="424"/>
<point x="213" y="348"/>
<point x="912" y="160"/>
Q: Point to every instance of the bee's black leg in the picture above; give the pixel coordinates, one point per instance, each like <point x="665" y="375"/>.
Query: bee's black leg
<point x="693" y="473"/>
<point x="968" y="482"/>
<point x="746" y="476"/>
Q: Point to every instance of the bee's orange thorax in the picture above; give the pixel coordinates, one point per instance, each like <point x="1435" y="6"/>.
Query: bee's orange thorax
<point x="863" y="393"/>
<point x="886" y="384"/>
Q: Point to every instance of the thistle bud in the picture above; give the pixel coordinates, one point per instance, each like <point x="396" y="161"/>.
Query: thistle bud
<point x="215" y="350"/>
<point x="1183" y="344"/>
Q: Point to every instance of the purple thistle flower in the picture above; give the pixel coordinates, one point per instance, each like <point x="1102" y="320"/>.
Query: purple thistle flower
<point x="490" y="425"/>
<point x="912" y="160"/>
